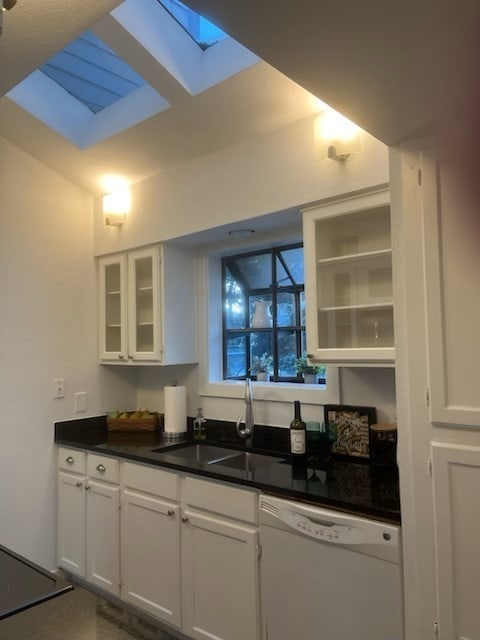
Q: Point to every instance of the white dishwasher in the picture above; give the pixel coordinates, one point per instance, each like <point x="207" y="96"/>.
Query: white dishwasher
<point x="327" y="575"/>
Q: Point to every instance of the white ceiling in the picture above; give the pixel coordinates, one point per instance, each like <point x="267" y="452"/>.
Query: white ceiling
<point x="395" y="68"/>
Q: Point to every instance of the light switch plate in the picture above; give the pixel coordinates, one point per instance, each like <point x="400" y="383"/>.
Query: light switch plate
<point x="80" y="401"/>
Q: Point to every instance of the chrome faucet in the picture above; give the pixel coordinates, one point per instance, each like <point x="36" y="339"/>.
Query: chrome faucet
<point x="247" y="431"/>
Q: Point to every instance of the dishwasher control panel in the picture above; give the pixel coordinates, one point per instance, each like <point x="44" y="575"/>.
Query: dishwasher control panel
<point x="323" y="530"/>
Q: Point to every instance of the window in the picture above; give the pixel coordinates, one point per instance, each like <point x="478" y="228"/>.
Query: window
<point x="264" y="313"/>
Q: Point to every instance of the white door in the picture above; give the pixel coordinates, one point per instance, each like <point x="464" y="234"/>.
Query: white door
<point x="103" y="536"/>
<point x="220" y="579"/>
<point x="456" y="481"/>
<point x="72" y="514"/>
<point x="151" y="555"/>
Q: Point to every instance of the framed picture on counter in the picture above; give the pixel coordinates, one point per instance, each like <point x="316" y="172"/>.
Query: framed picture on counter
<point x="348" y="429"/>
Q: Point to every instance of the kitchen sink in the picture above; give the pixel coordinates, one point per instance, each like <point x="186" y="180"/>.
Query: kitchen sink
<point x="202" y="454"/>
<point x="247" y="461"/>
<point x="199" y="453"/>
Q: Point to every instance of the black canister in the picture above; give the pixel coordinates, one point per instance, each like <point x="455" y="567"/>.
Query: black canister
<point x="383" y="445"/>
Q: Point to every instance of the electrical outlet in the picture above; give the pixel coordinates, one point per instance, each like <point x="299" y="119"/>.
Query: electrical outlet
<point x="80" y="401"/>
<point x="58" y="388"/>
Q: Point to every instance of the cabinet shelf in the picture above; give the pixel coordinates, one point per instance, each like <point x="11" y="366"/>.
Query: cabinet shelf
<point x="113" y="293"/>
<point x="144" y="289"/>
<point x="354" y="257"/>
<point x="361" y="307"/>
<point x="113" y="325"/>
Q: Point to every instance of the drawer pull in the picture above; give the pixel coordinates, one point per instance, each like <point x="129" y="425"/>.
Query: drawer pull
<point x="184" y="519"/>
<point x="78" y="483"/>
<point x="69" y="460"/>
<point x="170" y="512"/>
<point x="101" y="468"/>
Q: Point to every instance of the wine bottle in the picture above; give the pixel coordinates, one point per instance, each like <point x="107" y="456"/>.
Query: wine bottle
<point x="298" y="434"/>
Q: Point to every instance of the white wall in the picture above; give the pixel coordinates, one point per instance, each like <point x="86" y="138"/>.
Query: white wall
<point x="47" y="330"/>
<point x="261" y="175"/>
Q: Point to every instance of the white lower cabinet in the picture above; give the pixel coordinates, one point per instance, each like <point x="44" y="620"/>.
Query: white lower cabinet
<point x="184" y="550"/>
<point x="89" y="518"/>
<point x="150" y="557"/>
<point x="220" y="578"/>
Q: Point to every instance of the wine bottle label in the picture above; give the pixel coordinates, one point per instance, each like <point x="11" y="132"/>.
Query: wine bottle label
<point x="297" y="441"/>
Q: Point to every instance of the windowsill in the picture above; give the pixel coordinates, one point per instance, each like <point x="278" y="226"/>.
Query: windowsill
<point x="277" y="391"/>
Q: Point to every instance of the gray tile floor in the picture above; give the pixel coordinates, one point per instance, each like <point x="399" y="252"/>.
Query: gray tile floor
<point x="79" y="615"/>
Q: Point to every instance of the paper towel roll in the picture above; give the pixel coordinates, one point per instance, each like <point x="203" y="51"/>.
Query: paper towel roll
<point x="175" y="409"/>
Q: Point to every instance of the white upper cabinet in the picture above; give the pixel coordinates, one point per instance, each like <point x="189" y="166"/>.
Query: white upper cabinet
<point x="146" y="304"/>
<point x="452" y="272"/>
<point x="348" y="280"/>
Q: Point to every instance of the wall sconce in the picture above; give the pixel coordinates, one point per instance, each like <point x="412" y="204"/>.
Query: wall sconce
<point x="340" y="135"/>
<point x="116" y="206"/>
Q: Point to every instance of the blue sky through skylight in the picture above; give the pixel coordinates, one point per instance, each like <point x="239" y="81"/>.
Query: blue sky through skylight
<point x="200" y="29"/>
<point x="92" y="72"/>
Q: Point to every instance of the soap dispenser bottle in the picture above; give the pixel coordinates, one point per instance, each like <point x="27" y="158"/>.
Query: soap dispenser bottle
<point x="199" y="426"/>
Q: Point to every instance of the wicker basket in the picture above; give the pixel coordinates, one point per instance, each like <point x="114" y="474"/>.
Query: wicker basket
<point x="133" y="424"/>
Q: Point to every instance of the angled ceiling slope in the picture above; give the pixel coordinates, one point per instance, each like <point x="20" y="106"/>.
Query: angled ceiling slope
<point x="395" y="68"/>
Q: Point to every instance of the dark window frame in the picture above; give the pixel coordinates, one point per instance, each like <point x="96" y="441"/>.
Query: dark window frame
<point x="274" y="290"/>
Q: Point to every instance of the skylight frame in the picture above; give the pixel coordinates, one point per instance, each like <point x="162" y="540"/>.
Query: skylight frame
<point x="203" y="44"/>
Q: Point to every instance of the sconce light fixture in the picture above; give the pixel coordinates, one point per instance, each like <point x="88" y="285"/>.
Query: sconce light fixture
<point x="116" y="206"/>
<point x="7" y="4"/>
<point x="341" y="136"/>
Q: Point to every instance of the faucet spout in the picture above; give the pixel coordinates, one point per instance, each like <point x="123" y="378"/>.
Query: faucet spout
<point x="249" y="420"/>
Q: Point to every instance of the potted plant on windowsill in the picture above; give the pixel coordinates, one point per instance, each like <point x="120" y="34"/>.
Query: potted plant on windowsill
<point x="262" y="367"/>
<point x="308" y="370"/>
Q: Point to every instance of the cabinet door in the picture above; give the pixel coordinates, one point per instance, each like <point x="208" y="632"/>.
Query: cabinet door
<point x="113" y="308"/>
<point x="72" y="515"/>
<point x="220" y="579"/>
<point x="348" y="280"/>
<point x="151" y="555"/>
<point x="452" y="270"/>
<point x="144" y="305"/>
<point x="456" y="481"/>
<point x="103" y="535"/>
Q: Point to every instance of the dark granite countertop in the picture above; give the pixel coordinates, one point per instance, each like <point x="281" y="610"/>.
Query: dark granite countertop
<point x="343" y="484"/>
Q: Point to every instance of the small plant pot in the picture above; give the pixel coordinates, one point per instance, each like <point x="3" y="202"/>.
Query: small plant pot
<point x="310" y="378"/>
<point x="263" y="376"/>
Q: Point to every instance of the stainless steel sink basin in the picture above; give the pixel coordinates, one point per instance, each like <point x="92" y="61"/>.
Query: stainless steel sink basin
<point x="247" y="461"/>
<point x="199" y="453"/>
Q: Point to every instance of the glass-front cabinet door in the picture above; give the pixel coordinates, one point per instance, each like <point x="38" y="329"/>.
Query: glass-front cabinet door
<point x="129" y="303"/>
<point x="348" y="280"/>
<point x="113" y="308"/>
<point x="143" y="308"/>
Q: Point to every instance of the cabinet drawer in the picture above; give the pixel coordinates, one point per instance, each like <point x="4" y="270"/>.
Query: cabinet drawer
<point x="220" y="498"/>
<point x="103" y="468"/>
<point x="151" y="480"/>
<point x="72" y="460"/>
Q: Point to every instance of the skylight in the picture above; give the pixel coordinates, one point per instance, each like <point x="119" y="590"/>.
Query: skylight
<point x="199" y="28"/>
<point x="92" y="72"/>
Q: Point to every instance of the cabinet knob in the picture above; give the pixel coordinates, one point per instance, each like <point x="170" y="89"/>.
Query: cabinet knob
<point x="121" y="356"/>
<point x="184" y="519"/>
<point x="78" y="483"/>
<point x="87" y="488"/>
<point x="130" y="357"/>
<point x="69" y="460"/>
<point x="170" y="512"/>
<point x="101" y="468"/>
